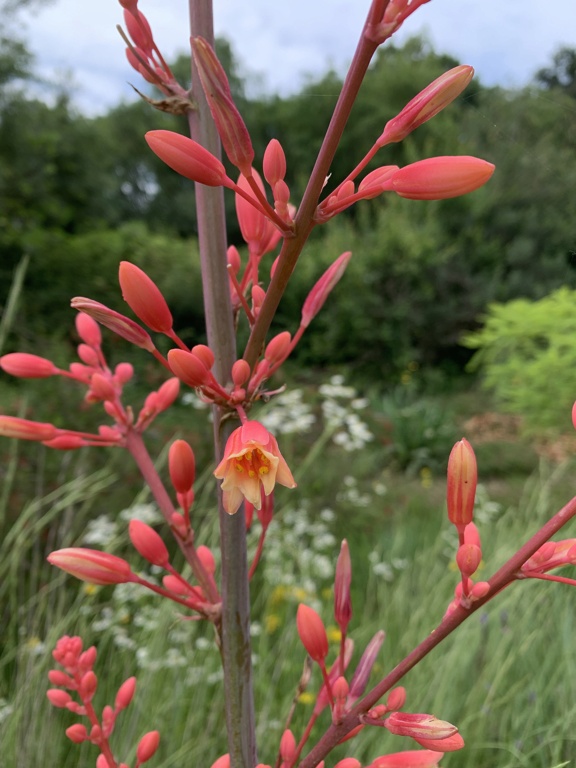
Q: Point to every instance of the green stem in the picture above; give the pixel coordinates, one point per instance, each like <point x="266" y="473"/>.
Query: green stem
<point x="236" y="650"/>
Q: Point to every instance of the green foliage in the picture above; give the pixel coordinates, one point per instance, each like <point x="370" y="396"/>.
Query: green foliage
<point x="525" y="350"/>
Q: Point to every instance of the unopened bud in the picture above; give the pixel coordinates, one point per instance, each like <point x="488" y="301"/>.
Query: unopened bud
<point x="461" y="485"/>
<point x="342" y="582"/>
<point x="148" y="543"/>
<point x="91" y="565"/>
<point x="277" y="348"/>
<point x="187" y="157"/>
<point x="439" y="178"/>
<point x="312" y="633"/>
<point x="27" y="366"/>
<point x="144" y="298"/>
<point x="120" y="324"/>
<point x="147" y="746"/>
<point x="320" y="292"/>
<point x="182" y="466"/>
<point x="274" y="163"/>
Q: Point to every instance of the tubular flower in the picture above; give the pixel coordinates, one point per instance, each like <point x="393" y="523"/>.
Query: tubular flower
<point x="251" y="458"/>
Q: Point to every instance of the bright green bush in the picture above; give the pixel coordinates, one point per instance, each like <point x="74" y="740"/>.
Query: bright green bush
<point x="527" y="353"/>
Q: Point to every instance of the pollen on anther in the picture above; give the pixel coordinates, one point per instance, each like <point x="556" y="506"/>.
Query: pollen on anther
<point x="239" y="468"/>
<point x="264" y="470"/>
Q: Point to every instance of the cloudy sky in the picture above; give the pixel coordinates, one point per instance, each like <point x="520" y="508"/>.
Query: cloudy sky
<point x="283" y="43"/>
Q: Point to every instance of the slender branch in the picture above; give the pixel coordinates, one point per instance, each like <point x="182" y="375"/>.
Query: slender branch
<point x="504" y="576"/>
<point x="304" y="222"/>
<point x="236" y="650"/>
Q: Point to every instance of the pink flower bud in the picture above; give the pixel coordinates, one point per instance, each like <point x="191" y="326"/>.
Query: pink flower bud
<point x="88" y="685"/>
<point x="182" y="466"/>
<point x="23" y="429"/>
<point x="222" y="762"/>
<point x="88" y="355"/>
<point x="377" y="181"/>
<point x="396" y="698"/>
<point x="438" y="178"/>
<point x="77" y="733"/>
<point x="125" y="694"/>
<point x="480" y="590"/>
<point x="123" y="373"/>
<point x="416" y="758"/>
<point x="147" y="746"/>
<point x="139" y="29"/>
<point x="58" y="698"/>
<point x="468" y="559"/>
<point x="189" y="368"/>
<point x="88" y="330"/>
<point x="187" y="157"/>
<point x="148" y="543"/>
<point x="102" y="388"/>
<point x="461" y="485"/>
<point x="122" y="326"/>
<point x="144" y="298"/>
<point x="431" y="100"/>
<point x="274" y="163"/>
<point x="205" y="354"/>
<point x="348" y="762"/>
<point x="207" y="559"/>
<point x="167" y="394"/>
<point x="312" y="633"/>
<point x="240" y="372"/>
<point x="287" y="746"/>
<point x="231" y="128"/>
<point x="450" y="744"/>
<point x="277" y="348"/>
<point x="27" y="366"/>
<point x="320" y="292"/>
<point x="57" y="677"/>
<point x="419" y="726"/>
<point x="92" y="565"/>
<point x="255" y="226"/>
<point x="342" y="581"/>
<point x="364" y="668"/>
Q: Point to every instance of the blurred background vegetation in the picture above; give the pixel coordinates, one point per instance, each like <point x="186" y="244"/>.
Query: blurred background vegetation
<point x="429" y="286"/>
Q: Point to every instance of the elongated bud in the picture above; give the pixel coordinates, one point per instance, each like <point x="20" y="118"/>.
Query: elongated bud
<point x="461" y="486"/>
<point x="207" y="559"/>
<point x="287" y="747"/>
<point x="91" y="565"/>
<point x="274" y="163"/>
<point x="377" y="181"/>
<point x="450" y="744"/>
<point x="419" y="726"/>
<point x="27" y="366"/>
<point x="125" y="694"/>
<point x="24" y="429"/>
<point x="312" y="633"/>
<point x="240" y="373"/>
<point x="231" y="128"/>
<point x="88" y="330"/>
<point x="139" y="29"/>
<point x="187" y="157"/>
<point x="144" y="298"/>
<point x="318" y="295"/>
<point x="362" y="672"/>
<point x="256" y="228"/>
<point x="431" y="100"/>
<point x="438" y="178"/>
<point x="277" y="349"/>
<point x="468" y="559"/>
<point x="58" y="698"/>
<point x="148" y="543"/>
<point x="182" y="466"/>
<point x="189" y="368"/>
<point x="120" y="324"/>
<point x="147" y="746"/>
<point x="342" y="581"/>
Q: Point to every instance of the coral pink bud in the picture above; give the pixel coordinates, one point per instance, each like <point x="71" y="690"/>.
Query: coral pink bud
<point x="122" y="326"/>
<point x="450" y="744"/>
<point x="101" y="387"/>
<point x="206" y="558"/>
<point x="187" y="157"/>
<point x="125" y="694"/>
<point x="77" y="733"/>
<point x="266" y="511"/>
<point x="222" y="762"/>
<point x="258" y="296"/>
<point x="278" y="348"/>
<point x="240" y="372"/>
<point x="139" y="29"/>
<point x="91" y="565"/>
<point x="320" y="292"/>
<point x="66" y="443"/>
<point x="58" y="698"/>
<point x="135" y="58"/>
<point x="472" y="535"/>
<point x="396" y="698"/>
<point x="87" y="658"/>
<point x="178" y="523"/>
<point x="480" y="590"/>
<point x="88" y="330"/>
<point x="144" y="298"/>
<point x="189" y="368"/>
<point x="287" y="747"/>
<point x="342" y="581"/>
<point x="88" y="685"/>
<point x="312" y="632"/>
<point x="123" y="372"/>
<point x="27" y="366"/>
<point x="348" y="762"/>
<point x="274" y="163"/>
<point x="254" y="225"/>
<point x="231" y="128"/>
<point x="23" y="429"/>
<point x="88" y="355"/>
<point x="416" y="758"/>
<point x="57" y="677"/>
<point x="205" y="354"/>
<point x="147" y="746"/>
<point x="419" y="726"/>
<point x="148" y="543"/>
<point x="461" y="485"/>
<point x="431" y="100"/>
<point x="438" y="178"/>
<point x="468" y="559"/>
<point x="377" y="181"/>
<point x="182" y="466"/>
<point x="234" y="261"/>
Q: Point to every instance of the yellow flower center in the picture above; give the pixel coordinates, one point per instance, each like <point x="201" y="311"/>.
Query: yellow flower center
<point x="253" y="462"/>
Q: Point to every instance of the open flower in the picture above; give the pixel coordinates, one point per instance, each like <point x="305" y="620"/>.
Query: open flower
<point x="251" y="458"/>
